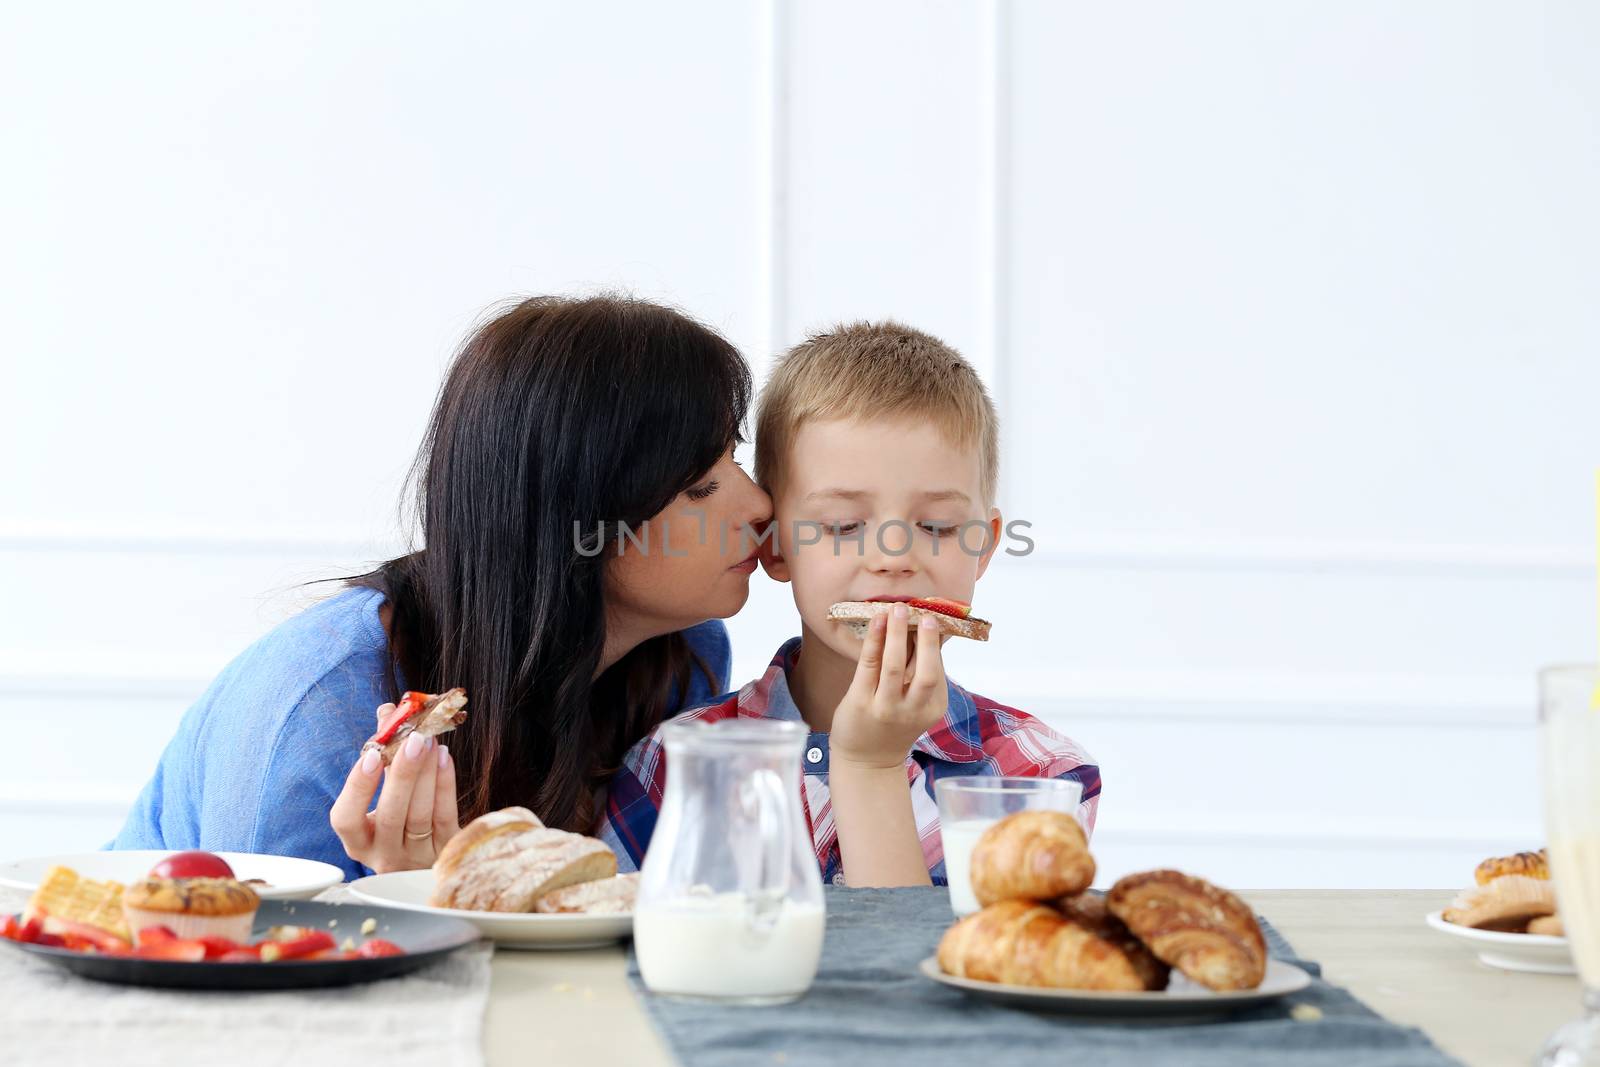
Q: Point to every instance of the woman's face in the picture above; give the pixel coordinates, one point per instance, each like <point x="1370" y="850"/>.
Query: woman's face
<point x="691" y="562"/>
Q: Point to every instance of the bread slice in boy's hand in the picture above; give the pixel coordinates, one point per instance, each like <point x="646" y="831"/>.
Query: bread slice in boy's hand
<point x="953" y="616"/>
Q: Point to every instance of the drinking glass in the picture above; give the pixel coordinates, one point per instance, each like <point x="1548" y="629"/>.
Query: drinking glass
<point x="969" y="806"/>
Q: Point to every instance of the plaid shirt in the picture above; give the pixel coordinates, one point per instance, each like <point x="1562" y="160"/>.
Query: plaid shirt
<point x="978" y="736"/>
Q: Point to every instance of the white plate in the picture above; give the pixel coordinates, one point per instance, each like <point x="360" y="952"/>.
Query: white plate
<point x="410" y="890"/>
<point x="1182" y="997"/>
<point x="287" y="878"/>
<point x="1538" y="953"/>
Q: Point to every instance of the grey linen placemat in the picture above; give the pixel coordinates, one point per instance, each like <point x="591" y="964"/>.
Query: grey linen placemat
<point x="430" y="1018"/>
<point x="869" y="1005"/>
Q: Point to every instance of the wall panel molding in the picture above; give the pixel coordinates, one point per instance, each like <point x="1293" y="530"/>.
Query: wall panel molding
<point x="1442" y="702"/>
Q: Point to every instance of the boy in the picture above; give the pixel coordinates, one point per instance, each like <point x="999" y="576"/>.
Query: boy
<point x="879" y="446"/>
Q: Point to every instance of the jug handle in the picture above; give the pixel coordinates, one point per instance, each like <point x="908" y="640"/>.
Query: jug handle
<point x="777" y="841"/>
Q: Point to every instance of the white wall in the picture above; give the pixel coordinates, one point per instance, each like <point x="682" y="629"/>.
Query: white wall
<point x="1289" y="309"/>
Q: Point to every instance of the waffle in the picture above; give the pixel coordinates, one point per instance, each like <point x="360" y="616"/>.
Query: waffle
<point x="65" y="895"/>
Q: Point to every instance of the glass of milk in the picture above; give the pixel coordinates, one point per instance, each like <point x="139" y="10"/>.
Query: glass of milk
<point x="1569" y="727"/>
<point x="970" y="805"/>
<point x="730" y="894"/>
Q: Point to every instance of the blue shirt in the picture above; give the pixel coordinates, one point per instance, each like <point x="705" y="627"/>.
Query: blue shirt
<point x="259" y="759"/>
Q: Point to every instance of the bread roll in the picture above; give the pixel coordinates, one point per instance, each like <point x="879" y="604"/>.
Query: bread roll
<point x="506" y="860"/>
<point x="608" y="896"/>
<point x="481" y="830"/>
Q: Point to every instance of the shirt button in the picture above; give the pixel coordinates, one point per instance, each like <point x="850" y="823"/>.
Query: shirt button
<point x="838" y="879"/>
<point x="813" y="754"/>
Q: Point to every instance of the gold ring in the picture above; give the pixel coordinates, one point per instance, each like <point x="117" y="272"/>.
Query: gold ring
<point x="418" y="837"/>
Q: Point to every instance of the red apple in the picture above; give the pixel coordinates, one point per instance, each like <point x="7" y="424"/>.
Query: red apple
<point x="192" y="865"/>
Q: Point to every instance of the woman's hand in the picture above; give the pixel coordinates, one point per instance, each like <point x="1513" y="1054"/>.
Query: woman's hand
<point x="890" y="702"/>
<point x="416" y="814"/>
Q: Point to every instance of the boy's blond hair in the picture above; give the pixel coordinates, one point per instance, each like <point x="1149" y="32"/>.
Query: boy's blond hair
<point x="873" y="371"/>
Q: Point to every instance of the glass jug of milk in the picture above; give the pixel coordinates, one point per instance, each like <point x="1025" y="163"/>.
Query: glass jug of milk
<point x="730" y="895"/>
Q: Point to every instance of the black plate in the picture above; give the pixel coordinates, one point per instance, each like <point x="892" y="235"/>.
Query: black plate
<point x="424" y="937"/>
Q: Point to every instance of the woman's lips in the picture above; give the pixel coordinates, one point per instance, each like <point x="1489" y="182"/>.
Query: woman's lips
<point x="747" y="565"/>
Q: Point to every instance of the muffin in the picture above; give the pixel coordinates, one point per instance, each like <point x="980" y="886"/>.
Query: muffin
<point x="192" y="907"/>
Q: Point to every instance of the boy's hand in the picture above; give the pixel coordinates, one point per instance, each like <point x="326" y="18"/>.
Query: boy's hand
<point x="890" y="703"/>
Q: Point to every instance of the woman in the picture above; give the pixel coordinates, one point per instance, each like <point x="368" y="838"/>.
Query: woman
<point x="572" y="633"/>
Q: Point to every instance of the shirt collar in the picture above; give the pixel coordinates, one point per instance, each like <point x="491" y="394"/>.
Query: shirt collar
<point x="958" y="739"/>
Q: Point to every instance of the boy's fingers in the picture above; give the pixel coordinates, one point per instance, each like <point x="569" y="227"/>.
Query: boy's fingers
<point x="446" y="819"/>
<point x="349" y="813"/>
<point x="894" y="649"/>
<point x="866" y="676"/>
<point x="930" y="668"/>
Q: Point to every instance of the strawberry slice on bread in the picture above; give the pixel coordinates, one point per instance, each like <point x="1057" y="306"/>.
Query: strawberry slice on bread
<point x="953" y="616"/>
<point x="424" y="714"/>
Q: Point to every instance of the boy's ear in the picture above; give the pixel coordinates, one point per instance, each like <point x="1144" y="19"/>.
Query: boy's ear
<point x="995" y="526"/>
<point x="771" y="556"/>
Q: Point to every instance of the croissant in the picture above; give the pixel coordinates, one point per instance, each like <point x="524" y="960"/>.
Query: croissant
<point x="1024" y="943"/>
<point x="1090" y="911"/>
<point x="1031" y="855"/>
<point x="1503" y="903"/>
<point x="1206" y="932"/>
<point x="1531" y="864"/>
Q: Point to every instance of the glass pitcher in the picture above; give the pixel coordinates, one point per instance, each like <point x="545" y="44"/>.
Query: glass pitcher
<point x="730" y="895"/>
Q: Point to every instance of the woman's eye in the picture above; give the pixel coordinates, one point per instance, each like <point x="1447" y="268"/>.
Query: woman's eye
<point x="705" y="491"/>
<point x="841" y="529"/>
<point x="938" y="529"/>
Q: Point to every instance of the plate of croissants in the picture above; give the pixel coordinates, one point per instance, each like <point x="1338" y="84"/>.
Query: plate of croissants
<point x="1159" y="943"/>
<point x="1508" y="916"/>
<point x="521" y="883"/>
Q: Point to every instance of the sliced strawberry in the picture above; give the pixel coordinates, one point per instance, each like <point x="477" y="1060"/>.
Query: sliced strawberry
<point x="958" y="609"/>
<point x="377" y="947"/>
<point x="154" y="935"/>
<point x="10" y="928"/>
<point x="182" y="951"/>
<point x="104" y="940"/>
<point x="49" y="940"/>
<point x="944" y="605"/>
<point x="410" y="705"/>
<point x="29" y="931"/>
<point x="241" y="955"/>
<point x="218" y="947"/>
<point x="299" y="947"/>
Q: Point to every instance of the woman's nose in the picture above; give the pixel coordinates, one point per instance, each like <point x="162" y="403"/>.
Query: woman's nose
<point x="759" y="503"/>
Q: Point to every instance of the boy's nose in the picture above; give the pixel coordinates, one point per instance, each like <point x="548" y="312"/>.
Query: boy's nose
<point x="890" y="552"/>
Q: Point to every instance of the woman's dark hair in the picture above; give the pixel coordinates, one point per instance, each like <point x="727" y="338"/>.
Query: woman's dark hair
<point x="555" y="412"/>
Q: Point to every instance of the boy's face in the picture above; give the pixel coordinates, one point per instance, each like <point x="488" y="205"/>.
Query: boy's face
<point x="877" y="508"/>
